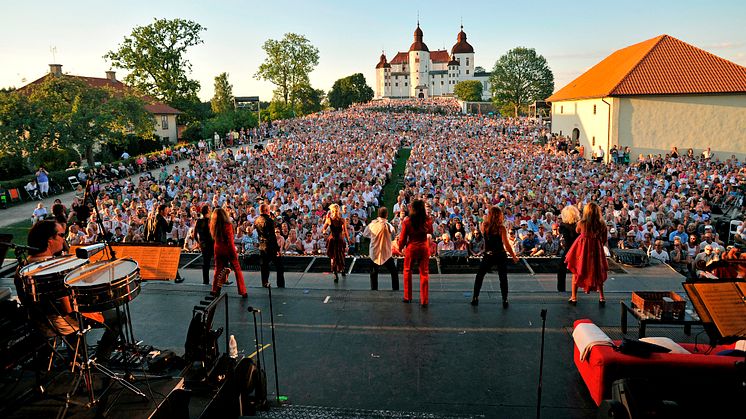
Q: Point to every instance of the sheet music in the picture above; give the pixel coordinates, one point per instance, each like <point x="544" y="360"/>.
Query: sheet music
<point x="725" y="304"/>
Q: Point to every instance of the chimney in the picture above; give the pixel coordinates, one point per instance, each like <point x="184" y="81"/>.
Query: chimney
<point x="55" y="69"/>
<point x="111" y="75"/>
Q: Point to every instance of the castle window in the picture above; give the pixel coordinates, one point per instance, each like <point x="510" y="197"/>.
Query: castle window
<point x="396" y="77"/>
<point x="417" y="60"/>
<point x="441" y="82"/>
<point x="467" y="71"/>
<point x="405" y="84"/>
<point x="396" y="84"/>
<point x="467" y="61"/>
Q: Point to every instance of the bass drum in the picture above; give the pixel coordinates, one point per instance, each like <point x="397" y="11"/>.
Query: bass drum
<point x="44" y="281"/>
<point x="104" y="285"/>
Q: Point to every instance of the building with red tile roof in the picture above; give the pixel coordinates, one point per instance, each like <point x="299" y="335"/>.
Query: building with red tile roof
<point x="652" y="96"/>
<point x="422" y="73"/>
<point x="164" y="115"/>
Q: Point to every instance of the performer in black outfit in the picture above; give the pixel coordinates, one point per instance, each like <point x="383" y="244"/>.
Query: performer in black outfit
<point x="269" y="250"/>
<point x="495" y="245"/>
<point x="206" y="243"/>
<point x="570" y="217"/>
<point x="158" y="227"/>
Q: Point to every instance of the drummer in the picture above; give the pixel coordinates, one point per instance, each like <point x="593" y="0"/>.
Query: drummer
<point x="48" y="237"/>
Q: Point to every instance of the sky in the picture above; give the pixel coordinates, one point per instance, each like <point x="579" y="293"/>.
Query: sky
<point x="350" y="35"/>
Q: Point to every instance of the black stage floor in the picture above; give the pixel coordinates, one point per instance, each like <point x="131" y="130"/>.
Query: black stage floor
<point x="345" y="351"/>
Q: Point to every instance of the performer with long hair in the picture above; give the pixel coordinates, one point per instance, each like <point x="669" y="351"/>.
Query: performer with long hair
<point x="336" y="247"/>
<point x="495" y="246"/>
<point x="413" y="240"/>
<point x="221" y="231"/>
<point x="586" y="258"/>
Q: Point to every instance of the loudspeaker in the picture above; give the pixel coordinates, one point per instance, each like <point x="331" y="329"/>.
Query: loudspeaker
<point x="640" y="400"/>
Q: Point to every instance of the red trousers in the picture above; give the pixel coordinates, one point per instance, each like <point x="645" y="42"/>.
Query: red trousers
<point x="417" y="252"/>
<point x="225" y="258"/>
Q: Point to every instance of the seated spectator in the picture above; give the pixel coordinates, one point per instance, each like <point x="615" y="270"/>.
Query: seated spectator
<point x="476" y="246"/>
<point x="40" y="212"/>
<point x="33" y="189"/>
<point x="529" y="243"/>
<point x="680" y="233"/>
<point x="630" y="242"/>
<point x="309" y="244"/>
<point x="75" y="236"/>
<point x="460" y="243"/>
<point x="613" y="240"/>
<point x="658" y="252"/>
<point x="445" y="243"/>
<point x="550" y="247"/>
<point x="191" y="244"/>
<point x="515" y="242"/>
<point x="702" y="259"/>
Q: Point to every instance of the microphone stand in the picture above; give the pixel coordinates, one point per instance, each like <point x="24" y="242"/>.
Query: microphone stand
<point x="541" y="361"/>
<point x="88" y="198"/>
<point x="274" y="344"/>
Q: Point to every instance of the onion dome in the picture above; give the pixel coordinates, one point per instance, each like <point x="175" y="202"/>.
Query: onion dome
<point x="418" y="45"/>
<point x="462" y="47"/>
<point x="382" y="63"/>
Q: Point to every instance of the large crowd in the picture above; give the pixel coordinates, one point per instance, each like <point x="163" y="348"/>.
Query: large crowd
<point x="460" y="165"/>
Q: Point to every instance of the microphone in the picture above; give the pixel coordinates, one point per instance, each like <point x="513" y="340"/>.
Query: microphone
<point x="253" y="310"/>
<point x="86" y="252"/>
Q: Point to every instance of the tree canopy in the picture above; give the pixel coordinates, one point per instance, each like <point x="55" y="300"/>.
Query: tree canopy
<point x="289" y="62"/>
<point x="65" y="113"/>
<point x="222" y="100"/>
<point x="520" y="77"/>
<point x="154" y="55"/>
<point x="349" y="90"/>
<point x="469" y="90"/>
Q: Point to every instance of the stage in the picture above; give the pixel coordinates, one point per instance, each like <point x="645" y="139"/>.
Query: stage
<point x="346" y="351"/>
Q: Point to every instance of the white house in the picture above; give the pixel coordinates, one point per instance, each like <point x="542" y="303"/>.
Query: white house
<point x="653" y="96"/>
<point x="423" y="73"/>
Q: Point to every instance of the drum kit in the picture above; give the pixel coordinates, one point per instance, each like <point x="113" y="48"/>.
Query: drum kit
<point x="69" y="285"/>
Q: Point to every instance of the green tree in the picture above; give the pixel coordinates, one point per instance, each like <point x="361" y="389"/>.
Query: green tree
<point x="222" y="100"/>
<point x="154" y="55"/>
<point x="308" y="99"/>
<point x="469" y="90"/>
<point x="81" y="116"/>
<point x="520" y="77"/>
<point x="289" y="62"/>
<point x="349" y="90"/>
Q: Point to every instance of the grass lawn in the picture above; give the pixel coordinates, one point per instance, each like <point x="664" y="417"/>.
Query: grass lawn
<point x="19" y="231"/>
<point x="396" y="182"/>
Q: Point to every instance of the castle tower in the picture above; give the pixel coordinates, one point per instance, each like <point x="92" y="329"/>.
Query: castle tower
<point x="464" y="54"/>
<point x="383" y="77"/>
<point x="419" y="66"/>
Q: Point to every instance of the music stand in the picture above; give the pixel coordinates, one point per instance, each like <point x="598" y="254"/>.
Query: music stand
<point x="721" y="305"/>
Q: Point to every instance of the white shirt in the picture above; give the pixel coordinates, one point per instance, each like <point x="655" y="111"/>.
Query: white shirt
<point x="380" y="233"/>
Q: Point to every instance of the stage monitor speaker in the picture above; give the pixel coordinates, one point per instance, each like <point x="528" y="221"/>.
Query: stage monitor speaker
<point x="640" y="400"/>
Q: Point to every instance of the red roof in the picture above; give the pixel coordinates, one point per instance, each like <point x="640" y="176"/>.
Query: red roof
<point x="440" y="56"/>
<point x="662" y="65"/>
<point x="152" y="105"/>
<point x="400" y="58"/>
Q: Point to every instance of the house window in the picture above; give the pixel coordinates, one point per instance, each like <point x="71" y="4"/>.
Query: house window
<point x="164" y="121"/>
<point x="562" y="109"/>
<point x="593" y="141"/>
<point x="594" y="109"/>
<point x="166" y="139"/>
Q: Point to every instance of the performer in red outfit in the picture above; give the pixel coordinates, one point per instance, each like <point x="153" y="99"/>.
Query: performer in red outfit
<point x="221" y="230"/>
<point x="586" y="258"/>
<point x="413" y="241"/>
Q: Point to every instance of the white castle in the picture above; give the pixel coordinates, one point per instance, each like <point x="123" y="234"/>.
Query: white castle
<point x="420" y="73"/>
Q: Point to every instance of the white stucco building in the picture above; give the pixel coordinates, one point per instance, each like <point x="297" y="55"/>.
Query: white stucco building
<point x="423" y="73"/>
<point x="655" y="95"/>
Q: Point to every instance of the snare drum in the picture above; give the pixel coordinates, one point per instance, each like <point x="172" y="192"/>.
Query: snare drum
<point x="45" y="281"/>
<point x="104" y="285"/>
